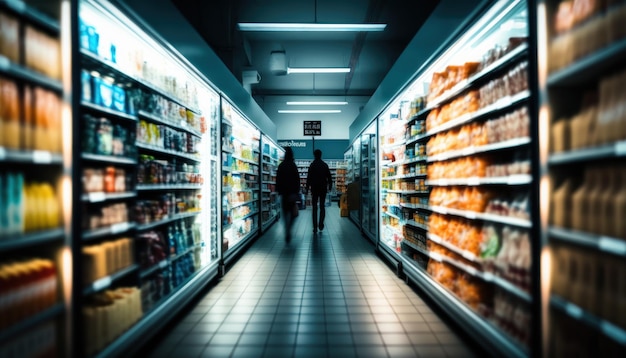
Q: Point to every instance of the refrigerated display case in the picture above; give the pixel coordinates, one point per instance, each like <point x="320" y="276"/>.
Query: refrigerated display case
<point x="146" y="159"/>
<point x="582" y="53"/>
<point x="270" y="203"/>
<point x="355" y="210"/>
<point x="241" y="183"/>
<point x="35" y="181"/>
<point x="369" y="206"/>
<point x="458" y="199"/>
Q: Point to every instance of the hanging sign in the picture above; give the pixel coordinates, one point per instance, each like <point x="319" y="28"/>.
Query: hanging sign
<point x="312" y="127"/>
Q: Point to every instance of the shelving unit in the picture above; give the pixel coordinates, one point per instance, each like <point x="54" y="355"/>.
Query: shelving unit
<point x="581" y="86"/>
<point x="32" y="172"/>
<point x="147" y="149"/>
<point x="456" y="181"/>
<point x="241" y="182"/>
<point x="270" y="204"/>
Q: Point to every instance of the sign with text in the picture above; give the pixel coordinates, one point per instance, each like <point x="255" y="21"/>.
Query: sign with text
<point x="312" y="127"/>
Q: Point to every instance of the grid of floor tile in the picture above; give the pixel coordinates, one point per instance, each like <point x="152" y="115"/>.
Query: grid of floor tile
<point x="322" y="295"/>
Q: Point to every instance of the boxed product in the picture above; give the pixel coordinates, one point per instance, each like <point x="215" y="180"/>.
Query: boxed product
<point x="9" y="37"/>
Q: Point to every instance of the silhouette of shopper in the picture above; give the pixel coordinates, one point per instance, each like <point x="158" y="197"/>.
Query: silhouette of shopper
<point x="317" y="180"/>
<point x="288" y="186"/>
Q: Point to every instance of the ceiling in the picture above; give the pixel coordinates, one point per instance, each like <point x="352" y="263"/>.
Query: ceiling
<point x="369" y="55"/>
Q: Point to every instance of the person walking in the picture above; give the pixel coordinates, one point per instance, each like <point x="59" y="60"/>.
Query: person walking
<point x="288" y="186"/>
<point x="317" y="180"/>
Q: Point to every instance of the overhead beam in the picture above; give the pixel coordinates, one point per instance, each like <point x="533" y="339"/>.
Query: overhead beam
<point x="374" y="8"/>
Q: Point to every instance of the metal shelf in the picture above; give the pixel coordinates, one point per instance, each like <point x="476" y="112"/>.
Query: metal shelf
<point x="177" y="123"/>
<point x="97" y="197"/>
<point x="106" y="282"/>
<point x="114" y="229"/>
<point x="14" y="242"/>
<point x="170" y="152"/>
<point x="22" y="73"/>
<point x="168" y="220"/>
<point x="517" y="179"/>
<point x="472" y="215"/>
<point x="494" y="339"/>
<point x="30" y="156"/>
<point x="608" y="151"/>
<point x="610" y="245"/>
<point x="592" y="321"/>
<point x="590" y="67"/>
<point x="148" y="187"/>
<point x="108" y="111"/>
<point x="108" y="159"/>
<point x="501" y="104"/>
<point x="512" y="143"/>
<point x="236" y="205"/>
<point x="114" y="69"/>
<point x="154" y="268"/>
<point x="32" y="15"/>
<point x="24" y="325"/>
<point x="245" y="160"/>
<point x="468" y="83"/>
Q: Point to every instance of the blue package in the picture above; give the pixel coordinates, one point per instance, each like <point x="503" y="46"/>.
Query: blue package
<point x="119" y="99"/>
<point x="103" y="92"/>
<point x="87" y="92"/>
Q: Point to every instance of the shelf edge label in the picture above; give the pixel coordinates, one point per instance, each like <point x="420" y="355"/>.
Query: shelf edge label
<point x="573" y="310"/>
<point x="612" y="245"/>
<point x="97" y="197"/>
<point x="119" y="227"/>
<point x="102" y="283"/>
<point x="42" y="157"/>
<point x="620" y="148"/>
<point x="5" y="64"/>
<point x="3" y="153"/>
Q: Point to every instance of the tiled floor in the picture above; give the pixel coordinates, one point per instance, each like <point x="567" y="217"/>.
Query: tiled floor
<point x="323" y="295"/>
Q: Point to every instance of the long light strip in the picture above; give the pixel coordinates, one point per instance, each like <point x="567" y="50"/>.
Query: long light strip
<point x="309" y="111"/>
<point x="316" y="103"/>
<point x="318" y="70"/>
<point x="256" y="26"/>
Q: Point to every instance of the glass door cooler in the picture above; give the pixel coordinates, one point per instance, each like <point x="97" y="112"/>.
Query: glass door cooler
<point x="144" y="151"/>
<point x="241" y="184"/>
<point x="458" y="197"/>
<point x="270" y="203"/>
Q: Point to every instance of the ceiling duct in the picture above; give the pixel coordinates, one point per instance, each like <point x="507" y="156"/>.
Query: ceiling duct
<point x="278" y="63"/>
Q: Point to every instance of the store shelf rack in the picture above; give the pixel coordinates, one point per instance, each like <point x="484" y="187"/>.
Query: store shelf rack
<point x="610" y="245"/>
<point x="608" y="151"/>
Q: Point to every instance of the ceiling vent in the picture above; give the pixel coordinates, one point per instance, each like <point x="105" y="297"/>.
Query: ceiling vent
<point x="278" y="63"/>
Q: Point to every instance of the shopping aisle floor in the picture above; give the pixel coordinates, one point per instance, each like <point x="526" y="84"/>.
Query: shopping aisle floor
<point x="323" y="295"/>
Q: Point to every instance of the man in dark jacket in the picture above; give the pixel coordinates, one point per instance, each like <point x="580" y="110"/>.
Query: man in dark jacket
<point x="288" y="186"/>
<point x="317" y="180"/>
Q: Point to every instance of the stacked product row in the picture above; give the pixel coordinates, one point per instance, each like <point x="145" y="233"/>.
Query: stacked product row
<point x="587" y="234"/>
<point x="31" y="176"/>
<point x="456" y="179"/>
<point x="241" y="179"/>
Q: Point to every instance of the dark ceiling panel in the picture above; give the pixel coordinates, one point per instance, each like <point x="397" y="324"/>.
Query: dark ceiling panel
<point x="371" y="55"/>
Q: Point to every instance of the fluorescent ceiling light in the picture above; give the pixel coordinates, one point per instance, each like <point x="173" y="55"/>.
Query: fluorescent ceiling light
<point x="309" y="111"/>
<point x="318" y="103"/>
<point x="318" y="70"/>
<point x="256" y="26"/>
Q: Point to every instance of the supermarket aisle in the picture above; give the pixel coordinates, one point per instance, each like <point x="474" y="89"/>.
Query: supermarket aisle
<point x="321" y="295"/>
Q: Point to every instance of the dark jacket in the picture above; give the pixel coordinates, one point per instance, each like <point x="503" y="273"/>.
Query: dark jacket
<point x="319" y="177"/>
<point x="287" y="178"/>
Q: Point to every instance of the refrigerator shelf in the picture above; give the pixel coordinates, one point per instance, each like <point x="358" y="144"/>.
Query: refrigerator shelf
<point x="108" y="112"/>
<point x="114" y="229"/>
<point x="517" y="179"/>
<point x="104" y="283"/>
<point x="592" y="321"/>
<point x="590" y="67"/>
<point x="36" y="238"/>
<point x="610" y="245"/>
<point x="614" y="150"/>
<point x="472" y="215"/>
<point x="512" y="143"/>
<point x="108" y="159"/>
<point x="175" y="217"/>
<point x="505" y="60"/>
<point x="169" y="152"/>
<point x="32" y="15"/>
<point x="11" y="69"/>
<point x="111" y="68"/>
<point x="150" y="187"/>
<point x="30" y="156"/>
<point x="97" y="197"/>
<point x="176" y="123"/>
